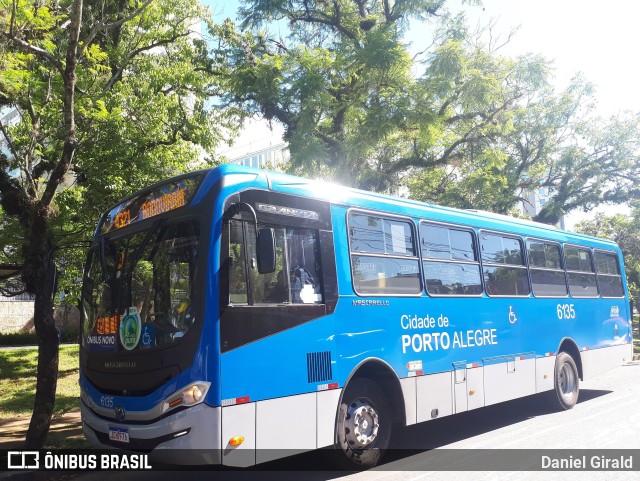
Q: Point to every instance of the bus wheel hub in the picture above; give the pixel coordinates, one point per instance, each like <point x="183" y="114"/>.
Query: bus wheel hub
<point x="362" y="424"/>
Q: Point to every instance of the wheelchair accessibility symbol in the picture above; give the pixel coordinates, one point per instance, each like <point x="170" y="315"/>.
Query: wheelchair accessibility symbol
<point x="148" y="335"/>
<point x="512" y="316"/>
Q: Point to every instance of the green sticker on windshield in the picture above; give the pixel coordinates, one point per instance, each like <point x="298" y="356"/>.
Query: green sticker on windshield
<point x="130" y="329"/>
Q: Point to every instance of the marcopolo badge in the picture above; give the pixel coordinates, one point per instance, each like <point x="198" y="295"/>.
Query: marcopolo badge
<point x="130" y="329"/>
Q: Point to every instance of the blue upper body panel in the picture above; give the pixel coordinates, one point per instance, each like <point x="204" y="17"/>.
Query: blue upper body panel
<point x="464" y="330"/>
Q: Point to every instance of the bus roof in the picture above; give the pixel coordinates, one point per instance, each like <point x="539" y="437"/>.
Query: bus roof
<point x="349" y="197"/>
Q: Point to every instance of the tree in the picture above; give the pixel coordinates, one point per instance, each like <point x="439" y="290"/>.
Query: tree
<point x="111" y="95"/>
<point x="625" y="231"/>
<point x="554" y="142"/>
<point x="344" y="67"/>
<point x="599" y="164"/>
<point x="345" y="86"/>
<point x="458" y="123"/>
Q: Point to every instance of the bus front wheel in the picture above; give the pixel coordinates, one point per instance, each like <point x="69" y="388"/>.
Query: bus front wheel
<point x="566" y="381"/>
<point x="363" y="426"/>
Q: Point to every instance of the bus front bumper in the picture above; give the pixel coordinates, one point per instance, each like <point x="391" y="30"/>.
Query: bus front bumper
<point x="191" y="436"/>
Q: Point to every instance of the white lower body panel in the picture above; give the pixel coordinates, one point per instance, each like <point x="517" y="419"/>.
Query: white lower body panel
<point x="280" y="427"/>
<point x="545" y="367"/>
<point x="475" y="388"/>
<point x="434" y="396"/>
<point x="508" y="380"/>
<point x="597" y="361"/>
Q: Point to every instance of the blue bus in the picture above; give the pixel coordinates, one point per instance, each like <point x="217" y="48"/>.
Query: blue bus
<point x="235" y="315"/>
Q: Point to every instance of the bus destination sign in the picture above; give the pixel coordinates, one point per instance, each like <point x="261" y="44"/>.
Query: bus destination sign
<point x="167" y="197"/>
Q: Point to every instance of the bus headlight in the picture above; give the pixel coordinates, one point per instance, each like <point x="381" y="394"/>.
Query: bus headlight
<point x="196" y="393"/>
<point x="188" y="396"/>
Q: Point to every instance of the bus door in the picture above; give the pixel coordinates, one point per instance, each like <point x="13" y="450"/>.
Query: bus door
<point x="256" y="306"/>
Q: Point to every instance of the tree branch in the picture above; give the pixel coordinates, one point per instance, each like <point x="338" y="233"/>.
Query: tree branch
<point x="315" y="16"/>
<point x="118" y="74"/>
<point x="26" y="46"/>
<point x="12" y="22"/>
<point x="107" y="26"/>
<point x="69" y="79"/>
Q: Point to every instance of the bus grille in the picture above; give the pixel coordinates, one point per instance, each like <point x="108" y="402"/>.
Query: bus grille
<point x="319" y="366"/>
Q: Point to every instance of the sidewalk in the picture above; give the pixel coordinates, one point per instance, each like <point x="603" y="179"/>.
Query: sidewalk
<point x="65" y="432"/>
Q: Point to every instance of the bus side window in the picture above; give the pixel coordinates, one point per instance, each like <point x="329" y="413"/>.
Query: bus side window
<point x="451" y="267"/>
<point x="505" y="273"/>
<point x="547" y="274"/>
<point x="580" y="273"/>
<point x="609" y="278"/>
<point x="384" y="261"/>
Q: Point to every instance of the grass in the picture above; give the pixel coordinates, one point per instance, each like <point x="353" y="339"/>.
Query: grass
<point x="17" y="390"/>
<point x="18" y="381"/>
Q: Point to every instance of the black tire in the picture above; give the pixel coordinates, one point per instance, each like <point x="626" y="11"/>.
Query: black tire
<point x="363" y="426"/>
<point x="566" y="382"/>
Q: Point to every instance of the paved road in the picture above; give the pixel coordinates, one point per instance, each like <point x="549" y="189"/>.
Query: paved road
<point x="607" y="416"/>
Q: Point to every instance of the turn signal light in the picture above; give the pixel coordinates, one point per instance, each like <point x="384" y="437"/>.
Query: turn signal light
<point x="236" y="441"/>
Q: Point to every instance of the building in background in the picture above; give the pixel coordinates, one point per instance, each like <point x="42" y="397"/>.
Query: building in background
<point x="259" y="144"/>
<point x="15" y="311"/>
<point x="535" y="201"/>
<point x="8" y="116"/>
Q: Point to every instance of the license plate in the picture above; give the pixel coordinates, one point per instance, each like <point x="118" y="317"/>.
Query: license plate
<point x="118" y="434"/>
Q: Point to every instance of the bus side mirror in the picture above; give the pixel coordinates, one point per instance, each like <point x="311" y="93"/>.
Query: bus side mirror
<point x="266" y="250"/>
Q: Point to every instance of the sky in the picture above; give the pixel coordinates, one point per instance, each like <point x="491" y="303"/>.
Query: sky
<point x="596" y="39"/>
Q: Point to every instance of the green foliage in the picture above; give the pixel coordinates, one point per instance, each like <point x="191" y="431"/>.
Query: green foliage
<point x="142" y="111"/>
<point x="338" y="83"/>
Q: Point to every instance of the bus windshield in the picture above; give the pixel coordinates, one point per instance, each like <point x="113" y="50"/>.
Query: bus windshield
<point x="139" y="289"/>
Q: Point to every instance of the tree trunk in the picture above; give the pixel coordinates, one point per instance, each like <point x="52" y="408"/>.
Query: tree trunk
<point x="39" y="276"/>
<point x="47" y="376"/>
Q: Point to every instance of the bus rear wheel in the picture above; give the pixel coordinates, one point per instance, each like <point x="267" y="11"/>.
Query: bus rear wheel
<point x="363" y="427"/>
<point x="566" y="382"/>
